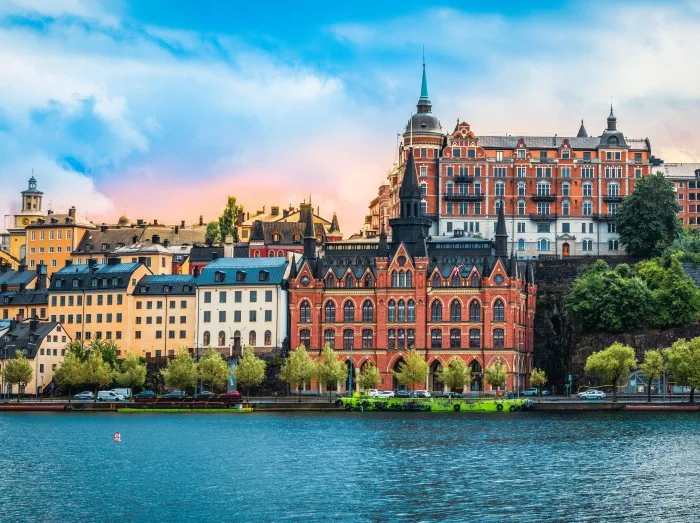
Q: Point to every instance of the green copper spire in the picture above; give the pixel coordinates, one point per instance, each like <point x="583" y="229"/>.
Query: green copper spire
<point x="424" y="85"/>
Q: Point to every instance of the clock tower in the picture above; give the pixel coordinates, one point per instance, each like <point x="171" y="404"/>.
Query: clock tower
<point x="30" y="211"/>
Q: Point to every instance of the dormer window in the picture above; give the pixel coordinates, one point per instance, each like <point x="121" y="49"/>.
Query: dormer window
<point x="166" y="288"/>
<point x="264" y="276"/>
<point x="105" y="246"/>
<point x="76" y="283"/>
<point x="297" y="237"/>
<point x="115" y="282"/>
<point x="187" y="288"/>
<point x="565" y="154"/>
<point x="276" y="237"/>
<point x="220" y="275"/>
<point x="521" y="153"/>
<point x="144" y="288"/>
<point x="94" y="282"/>
<point x="59" y="284"/>
<point x="456" y="152"/>
<point x="240" y="276"/>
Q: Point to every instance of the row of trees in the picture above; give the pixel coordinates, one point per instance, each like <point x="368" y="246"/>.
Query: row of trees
<point x="681" y="361"/>
<point x="649" y="294"/>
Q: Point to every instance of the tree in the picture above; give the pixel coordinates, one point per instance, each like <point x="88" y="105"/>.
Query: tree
<point x="131" y="372"/>
<point x="612" y="364"/>
<point x="107" y="349"/>
<point x="96" y="371"/>
<point x="683" y="363"/>
<point x="647" y="220"/>
<point x="180" y="372"/>
<point x="77" y="348"/>
<point x="70" y="372"/>
<point x="213" y="233"/>
<point x="414" y="370"/>
<point x="213" y="369"/>
<point x="298" y="369"/>
<point x="496" y="374"/>
<point x="329" y="368"/>
<point x="538" y="379"/>
<point x="227" y="220"/>
<point x="369" y="376"/>
<point x="17" y="370"/>
<point x="250" y="370"/>
<point x="456" y="375"/>
<point x="676" y="300"/>
<point x="652" y="367"/>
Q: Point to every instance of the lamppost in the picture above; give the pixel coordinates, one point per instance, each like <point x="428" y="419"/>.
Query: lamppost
<point x="350" y="376"/>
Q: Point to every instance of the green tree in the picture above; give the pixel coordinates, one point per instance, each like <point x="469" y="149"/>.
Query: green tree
<point x="456" y="375"/>
<point x="612" y="364"/>
<point x="329" y="368"/>
<point x="683" y="363"/>
<point x="496" y="374"/>
<point x="96" y="371"/>
<point x="77" y="348"/>
<point x="131" y="372"/>
<point x="676" y="301"/>
<point x="212" y="369"/>
<point x="107" y="349"/>
<point x="652" y="367"/>
<point x="227" y="220"/>
<point x="414" y="370"/>
<point x="17" y="371"/>
<point x="71" y="371"/>
<point x="538" y="379"/>
<point x="647" y="220"/>
<point x="369" y="376"/>
<point x="298" y="369"/>
<point x="213" y="233"/>
<point x="250" y="370"/>
<point x="180" y="372"/>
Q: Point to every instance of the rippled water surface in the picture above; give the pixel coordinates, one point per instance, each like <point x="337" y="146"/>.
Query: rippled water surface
<point x="350" y="467"/>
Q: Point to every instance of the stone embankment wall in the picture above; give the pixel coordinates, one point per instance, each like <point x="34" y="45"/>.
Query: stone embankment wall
<point x="560" y="346"/>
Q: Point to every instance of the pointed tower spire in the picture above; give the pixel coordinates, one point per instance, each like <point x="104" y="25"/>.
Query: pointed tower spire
<point x="293" y="272"/>
<point x="612" y="120"/>
<point x="309" y="233"/>
<point x="501" y="233"/>
<point x="424" y="105"/>
<point x="334" y="223"/>
<point x="582" y="133"/>
<point x="410" y="188"/>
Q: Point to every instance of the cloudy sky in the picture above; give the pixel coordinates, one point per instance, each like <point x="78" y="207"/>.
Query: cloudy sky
<point x="164" y="107"/>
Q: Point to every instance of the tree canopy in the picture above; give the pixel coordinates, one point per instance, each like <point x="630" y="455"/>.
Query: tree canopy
<point x="212" y="369"/>
<point x="298" y="369"/>
<point x="538" y="379"/>
<point x="647" y="220"/>
<point x="131" y="372"/>
<point x="250" y="370"/>
<point x="496" y="374"/>
<point x="612" y="364"/>
<point x="456" y="375"/>
<point x="227" y="220"/>
<point x="180" y="372"/>
<point x="96" y="371"/>
<point x="329" y="368"/>
<point x="369" y="376"/>
<point x="652" y="367"/>
<point x="213" y="233"/>
<point x="71" y="371"/>
<point x="414" y="370"/>
<point x="17" y="370"/>
<point x="683" y="363"/>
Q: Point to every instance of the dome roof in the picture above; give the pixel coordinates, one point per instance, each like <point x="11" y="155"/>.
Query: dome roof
<point x="124" y="220"/>
<point x="424" y="123"/>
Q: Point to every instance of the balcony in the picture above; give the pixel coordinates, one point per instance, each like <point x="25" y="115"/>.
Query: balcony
<point x="603" y="217"/>
<point x="464" y="179"/>
<point x="543" y="197"/>
<point x="463" y="197"/>
<point x="612" y="199"/>
<point x="543" y="217"/>
<point x="544" y="160"/>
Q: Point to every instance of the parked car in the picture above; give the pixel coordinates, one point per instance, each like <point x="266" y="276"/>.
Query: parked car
<point x="205" y="395"/>
<point x="421" y="394"/>
<point x="591" y="394"/>
<point x="387" y="394"/>
<point x="86" y="395"/>
<point x="126" y="392"/>
<point x="532" y="391"/>
<point x="175" y="395"/>
<point x="403" y="394"/>
<point x="448" y="395"/>
<point x="145" y="395"/>
<point x="109" y="395"/>
<point x="545" y="392"/>
<point x="231" y="397"/>
<point x="373" y="393"/>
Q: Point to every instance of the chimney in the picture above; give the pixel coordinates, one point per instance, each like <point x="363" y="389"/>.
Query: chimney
<point x="21" y="267"/>
<point x="155" y="239"/>
<point x="103" y="228"/>
<point x="182" y="224"/>
<point x="240" y="218"/>
<point x="22" y="286"/>
<point x="114" y="261"/>
<point x="134" y="239"/>
<point x="139" y="222"/>
<point x="155" y="222"/>
<point x="69" y="263"/>
<point x="71" y="212"/>
<point x="13" y="324"/>
<point x="201" y="220"/>
<point x="3" y="287"/>
<point x="166" y="243"/>
<point x="33" y="324"/>
<point x="49" y="212"/>
<point x="4" y="267"/>
<point x="214" y="255"/>
<point x="40" y="277"/>
<point x="177" y="229"/>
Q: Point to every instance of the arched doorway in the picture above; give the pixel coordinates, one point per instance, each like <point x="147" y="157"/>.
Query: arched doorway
<point x="395" y="382"/>
<point x="565" y="250"/>
<point x="237" y="342"/>
<point x="350" y="380"/>
<point x="434" y="376"/>
<point x="477" y="376"/>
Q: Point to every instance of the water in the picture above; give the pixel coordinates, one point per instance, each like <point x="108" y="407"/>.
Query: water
<point x="350" y="467"/>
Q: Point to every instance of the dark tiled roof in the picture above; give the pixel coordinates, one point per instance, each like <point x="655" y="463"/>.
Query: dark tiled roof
<point x="80" y="277"/>
<point x="165" y="285"/>
<point x="551" y="142"/>
<point x="22" y="338"/>
<point x="253" y="271"/>
<point x="203" y="253"/>
<point x="24" y="298"/>
<point x="265" y="231"/>
<point x="60" y="220"/>
<point x="104" y="241"/>
<point x="14" y="279"/>
<point x="186" y="236"/>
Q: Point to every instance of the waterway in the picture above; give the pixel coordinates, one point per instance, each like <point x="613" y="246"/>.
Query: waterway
<point x="350" y="467"/>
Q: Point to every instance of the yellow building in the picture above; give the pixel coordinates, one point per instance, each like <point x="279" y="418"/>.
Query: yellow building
<point x="30" y="211"/>
<point x="23" y="293"/>
<point x="91" y="300"/>
<point x="51" y="240"/>
<point x="163" y="316"/>
<point x="42" y="343"/>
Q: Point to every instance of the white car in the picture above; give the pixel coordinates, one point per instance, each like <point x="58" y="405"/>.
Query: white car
<point x="421" y="394"/>
<point x="373" y="393"/>
<point x="591" y="394"/>
<point x="387" y="394"/>
<point x="109" y="395"/>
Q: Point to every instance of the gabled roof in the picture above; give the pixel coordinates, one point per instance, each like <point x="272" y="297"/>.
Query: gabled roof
<point x="142" y="248"/>
<point x="168" y="285"/>
<point x="24" y="298"/>
<point x="13" y="279"/>
<point x="265" y="232"/>
<point x="98" y="277"/>
<point x="244" y="272"/>
<point x="61" y="220"/>
<point x="23" y="338"/>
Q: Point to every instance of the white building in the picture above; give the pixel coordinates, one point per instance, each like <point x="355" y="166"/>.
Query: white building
<point x="242" y="301"/>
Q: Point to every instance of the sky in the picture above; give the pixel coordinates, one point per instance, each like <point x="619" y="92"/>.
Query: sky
<point x="161" y="109"/>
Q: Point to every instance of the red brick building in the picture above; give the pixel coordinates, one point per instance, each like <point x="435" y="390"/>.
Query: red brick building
<point x="373" y="298"/>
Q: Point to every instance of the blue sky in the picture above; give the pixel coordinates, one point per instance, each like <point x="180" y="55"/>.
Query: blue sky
<point x="163" y="107"/>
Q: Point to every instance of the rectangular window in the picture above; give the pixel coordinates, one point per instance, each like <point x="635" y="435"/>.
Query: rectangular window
<point x="207" y="317"/>
<point x="253" y="296"/>
<point x="268" y="296"/>
<point x="566" y="172"/>
<point x="238" y="296"/>
<point x="521" y="227"/>
<point x="522" y="171"/>
<point x="237" y="316"/>
<point x="222" y="316"/>
<point x="499" y="172"/>
<point x="566" y="228"/>
<point x="252" y="316"/>
<point x="207" y="297"/>
<point x="450" y="170"/>
<point x="183" y="319"/>
<point x="586" y="172"/>
<point x="543" y="227"/>
<point x="268" y="315"/>
<point x="222" y="297"/>
<point x="423" y="170"/>
<point x="183" y="334"/>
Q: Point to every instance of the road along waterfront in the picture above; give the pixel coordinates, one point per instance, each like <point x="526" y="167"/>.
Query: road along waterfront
<point x="350" y="466"/>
